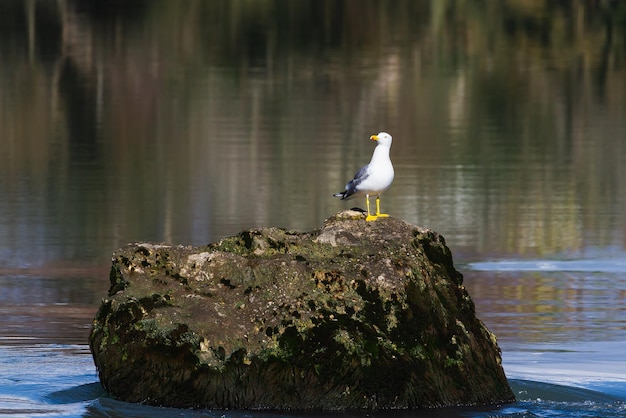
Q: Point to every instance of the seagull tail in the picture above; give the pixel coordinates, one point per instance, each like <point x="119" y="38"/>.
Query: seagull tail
<point x="341" y="195"/>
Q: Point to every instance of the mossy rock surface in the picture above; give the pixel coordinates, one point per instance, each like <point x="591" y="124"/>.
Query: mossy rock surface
<point x="355" y="315"/>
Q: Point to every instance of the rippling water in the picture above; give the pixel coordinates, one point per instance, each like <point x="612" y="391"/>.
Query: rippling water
<point x="59" y="380"/>
<point x="184" y="122"/>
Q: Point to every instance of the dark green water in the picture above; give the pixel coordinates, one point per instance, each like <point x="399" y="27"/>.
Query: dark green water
<point x="187" y="121"/>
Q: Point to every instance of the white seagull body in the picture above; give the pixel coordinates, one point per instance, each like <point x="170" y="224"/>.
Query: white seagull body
<point x="374" y="178"/>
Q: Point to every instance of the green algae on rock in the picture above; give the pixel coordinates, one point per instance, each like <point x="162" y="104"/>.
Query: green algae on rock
<point x="355" y="315"/>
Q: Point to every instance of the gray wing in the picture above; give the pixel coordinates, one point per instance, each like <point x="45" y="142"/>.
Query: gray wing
<point x="359" y="177"/>
<point x="351" y="187"/>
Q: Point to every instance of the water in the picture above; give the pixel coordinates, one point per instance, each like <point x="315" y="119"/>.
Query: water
<point x="59" y="381"/>
<point x="184" y="122"/>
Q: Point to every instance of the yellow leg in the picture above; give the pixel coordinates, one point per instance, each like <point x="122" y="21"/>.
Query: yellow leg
<point x="369" y="217"/>
<point x="378" y="214"/>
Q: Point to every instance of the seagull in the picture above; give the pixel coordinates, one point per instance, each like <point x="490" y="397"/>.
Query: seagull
<point x="374" y="178"/>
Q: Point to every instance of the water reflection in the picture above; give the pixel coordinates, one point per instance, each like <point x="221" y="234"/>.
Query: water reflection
<point x="39" y="310"/>
<point x="550" y="307"/>
<point x="185" y="122"/>
<point x="144" y="124"/>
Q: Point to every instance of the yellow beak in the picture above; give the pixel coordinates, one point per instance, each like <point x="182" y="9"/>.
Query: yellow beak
<point x="374" y="137"/>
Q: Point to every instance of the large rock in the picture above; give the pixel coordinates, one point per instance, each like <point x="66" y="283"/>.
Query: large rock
<point x="354" y="315"/>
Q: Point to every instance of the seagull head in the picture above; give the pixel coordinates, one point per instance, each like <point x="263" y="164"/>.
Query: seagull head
<point x="382" y="138"/>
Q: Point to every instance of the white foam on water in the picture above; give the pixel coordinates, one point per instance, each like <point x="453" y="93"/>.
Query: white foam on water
<point x="31" y="376"/>
<point x="592" y="265"/>
<point x="588" y="365"/>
